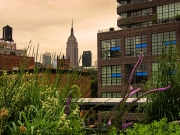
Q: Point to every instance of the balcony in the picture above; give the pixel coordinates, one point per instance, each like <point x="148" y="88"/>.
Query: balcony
<point x="135" y="19"/>
<point x="131" y="2"/>
<point x="136" y="6"/>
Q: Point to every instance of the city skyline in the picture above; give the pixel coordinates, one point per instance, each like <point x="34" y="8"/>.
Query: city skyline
<point x="49" y="22"/>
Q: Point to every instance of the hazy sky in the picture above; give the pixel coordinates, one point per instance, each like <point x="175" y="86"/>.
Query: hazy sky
<point x="48" y="22"/>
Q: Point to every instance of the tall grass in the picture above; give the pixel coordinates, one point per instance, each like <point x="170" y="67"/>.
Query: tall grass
<point x="34" y="101"/>
<point x="164" y="104"/>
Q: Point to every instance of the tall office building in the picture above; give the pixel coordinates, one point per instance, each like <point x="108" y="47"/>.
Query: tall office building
<point x="72" y="49"/>
<point x="46" y="59"/>
<point x="145" y="26"/>
<point x="87" y="59"/>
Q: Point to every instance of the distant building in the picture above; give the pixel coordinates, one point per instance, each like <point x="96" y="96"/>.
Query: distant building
<point x="87" y="59"/>
<point x="46" y="59"/>
<point x="13" y="62"/>
<point x="62" y="64"/>
<point x="12" y="58"/>
<point x="72" y="49"/>
<point x="7" y="45"/>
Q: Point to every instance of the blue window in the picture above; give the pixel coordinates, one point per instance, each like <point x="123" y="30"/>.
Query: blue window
<point x="115" y="48"/>
<point x="174" y="42"/>
<point x="141" y="73"/>
<point x="141" y="45"/>
<point x="116" y="75"/>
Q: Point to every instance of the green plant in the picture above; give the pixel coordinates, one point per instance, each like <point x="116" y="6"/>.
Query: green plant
<point x="33" y="103"/>
<point x="111" y="29"/>
<point x="177" y="17"/>
<point x="161" y="127"/>
<point x="128" y="23"/>
<point x="164" y="104"/>
<point x="154" y="19"/>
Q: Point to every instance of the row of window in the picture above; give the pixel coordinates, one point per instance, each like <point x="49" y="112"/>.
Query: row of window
<point x="147" y="11"/>
<point x="118" y="95"/>
<point x="124" y="2"/>
<point x="111" y="95"/>
<point x="169" y="11"/>
<point x="137" y="25"/>
<point x="111" y="75"/>
<point x="134" y="45"/>
<point x="111" y="49"/>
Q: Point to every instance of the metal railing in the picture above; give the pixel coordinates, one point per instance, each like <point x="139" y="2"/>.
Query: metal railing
<point x="108" y="30"/>
<point x="132" y="2"/>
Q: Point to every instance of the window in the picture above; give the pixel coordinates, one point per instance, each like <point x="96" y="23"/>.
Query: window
<point x="147" y="11"/>
<point x="140" y="75"/>
<point x="135" y="45"/>
<point x="168" y="70"/>
<point x="110" y="49"/>
<point x="168" y="12"/>
<point x="111" y="75"/>
<point x="154" y="72"/>
<point x="111" y="95"/>
<point x="162" y="39"/>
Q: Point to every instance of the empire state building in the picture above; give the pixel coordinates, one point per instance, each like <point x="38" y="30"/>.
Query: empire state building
<point x="72" y="49"/>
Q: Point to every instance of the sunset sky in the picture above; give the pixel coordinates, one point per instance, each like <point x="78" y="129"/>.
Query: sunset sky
<point x="48" y="22"/>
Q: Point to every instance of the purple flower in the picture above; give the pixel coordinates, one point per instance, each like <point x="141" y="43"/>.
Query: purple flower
<point x="109" y="123"/>
<point x="67" y="105"/>
<point x="136" y="66"/>
<point x="165" y="88"/>
<point x="131" y="88"/>
<point x="124" y="126"/>
<point x="134" y="92"/>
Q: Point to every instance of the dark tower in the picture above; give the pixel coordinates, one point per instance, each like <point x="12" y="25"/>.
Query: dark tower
<point x="86" y="59"/>
<point x="7" y="34"/>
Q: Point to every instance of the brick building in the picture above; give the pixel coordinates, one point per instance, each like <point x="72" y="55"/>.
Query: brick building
<point x="144" y="25"/>
<point x="14" y="62"/>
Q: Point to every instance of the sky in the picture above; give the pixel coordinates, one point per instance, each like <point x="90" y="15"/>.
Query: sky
<point x="48" y="23"/>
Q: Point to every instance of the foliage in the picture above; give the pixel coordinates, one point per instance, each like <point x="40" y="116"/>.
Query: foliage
<point x="161" y="127"/>
<point x="177" y="17"/>
<point x="94" y="82"/>
<point x="154" y="19"/>
<point x="32" y="104"/>
<point x="128" y="23"/>
<point x="111" y="29"/>
<point x="164" y="104"/>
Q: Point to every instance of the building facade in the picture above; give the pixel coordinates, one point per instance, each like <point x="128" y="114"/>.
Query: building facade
<point x="146" y="26"/>
<point x="87" y="59"/>
<point x="14" y="62"/>
<point x="46" y="59"/>
<point x="72" y="49"/>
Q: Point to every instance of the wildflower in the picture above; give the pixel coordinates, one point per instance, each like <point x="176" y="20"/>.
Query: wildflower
<point x="22" y="129"/>
<point x="109" y="123"/>
<point x="131" y="88"/>
<point x="67" y="105"/>
<point x="134" y="92"/>
<point x="165" y="88"/>
<point x="3" y="112"/>
<point x="136" y="66"/>
<point x="124" y="126"/>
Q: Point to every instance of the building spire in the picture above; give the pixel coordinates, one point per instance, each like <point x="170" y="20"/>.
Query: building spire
<point x="72" y="22"/>
<point x="72" y="31"/>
